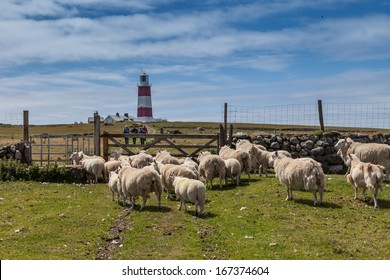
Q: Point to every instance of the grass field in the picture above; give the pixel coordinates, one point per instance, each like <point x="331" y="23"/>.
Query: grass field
<point x="252" y="221"/>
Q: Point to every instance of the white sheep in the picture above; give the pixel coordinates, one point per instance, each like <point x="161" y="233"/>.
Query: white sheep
<point x="135" y="182"/>
<point x="366" y="176"/>
<point x="77" y="157"/>
<point x="233" y="169"/>
<point x="170" y="171"/>
<point x="166" y="158"/>
<point x="190" y="163"/>
<point x="109" y="166"/>
<point x="242" y="156"/>
<point x="190" y="190"/>
<point x="141" y="160"/>
<point x="367" y="152"/>
<point x="113" y="185"/>
<point x="210" y="167"/>
<point x="94" y="168"/>
<point x="299" y="174"/>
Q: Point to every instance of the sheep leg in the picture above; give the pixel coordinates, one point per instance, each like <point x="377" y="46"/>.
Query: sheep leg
<point x="321" y="193"/>
<point x="158" y="197"/>
<point x="364" y="194"/>
<point x="196" y="208"/>
<point x="356" y="191"/>
<point x="237" y="180"/>
<point x="184" y="204"/>
<point x="315" y="197"/>
<point x="143" y="202"/>
<point x="374" y="192"/>
<point x="289" y="193"/>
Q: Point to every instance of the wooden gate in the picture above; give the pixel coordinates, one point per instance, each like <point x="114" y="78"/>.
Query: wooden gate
<point x="180" y="145"/>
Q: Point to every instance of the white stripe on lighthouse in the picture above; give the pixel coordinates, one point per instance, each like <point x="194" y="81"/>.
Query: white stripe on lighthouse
<point x="145" y="101"/>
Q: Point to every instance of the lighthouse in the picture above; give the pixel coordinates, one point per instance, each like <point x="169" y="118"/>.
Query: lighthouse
<point x="144" y="108"/>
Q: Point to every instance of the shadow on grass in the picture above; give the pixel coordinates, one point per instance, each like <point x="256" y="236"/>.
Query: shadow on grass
<point x="205" y="216"/>
<point x="152" y="208"/>
<point x="324" y="204"/>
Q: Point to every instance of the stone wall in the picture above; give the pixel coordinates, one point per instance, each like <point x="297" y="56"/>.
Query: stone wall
<point x="319" y="147"/>
<point x="20" y="151"/>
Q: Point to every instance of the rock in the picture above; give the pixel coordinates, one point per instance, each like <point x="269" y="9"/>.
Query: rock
<point x="309" y="144"/>
<point x="294" y="140"/>
<point x="275" y="146"/>
<point x="319" y="151"/>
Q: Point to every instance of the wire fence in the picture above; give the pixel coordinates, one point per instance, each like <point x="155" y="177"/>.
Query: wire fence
<point x="11" y="118"/>
<point x="354" y="115"/>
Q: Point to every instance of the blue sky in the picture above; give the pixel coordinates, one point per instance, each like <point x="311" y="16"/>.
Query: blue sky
<point x="64" y="59"/>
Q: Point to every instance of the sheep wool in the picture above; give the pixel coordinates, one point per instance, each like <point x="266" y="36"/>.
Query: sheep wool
<point x="190" y="190"/>
<point x="365" y="176"/>
<point x="304" y="174"/>
<point x="136" y="182"/>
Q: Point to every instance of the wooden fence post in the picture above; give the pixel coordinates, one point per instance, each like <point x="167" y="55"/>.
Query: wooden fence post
<point x="96" y="134"/>
<point x="26" y="135"/>
<point x="105" y="145"/>
<point x="320" y="114"/>
<point x="230" y="135"/>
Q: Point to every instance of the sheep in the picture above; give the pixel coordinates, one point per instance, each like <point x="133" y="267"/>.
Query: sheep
<point x="190" y="163"/>
<point x="94" y="168"/>
<point x="233" y="169"/>
<point x="211" y="166"/>
<point x="366" y="176"/>
<point x="190" y="190"/>
<point x="113" y="185"/>
<point x="77" y="157"/>
<point x="169" y="171"/>
<point x="246" y="145"/>
<point x="165" y="158"/>
<point x="242" y="156"/>
<point x="299" y="174"/>
<point x="141" y="160"/>
<point x="136" y="182"/>
<point x="366" y="152"/>
<point x="109" y="166"/>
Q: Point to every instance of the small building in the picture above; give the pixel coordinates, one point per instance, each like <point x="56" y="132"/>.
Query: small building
<point x="111" y="119"/>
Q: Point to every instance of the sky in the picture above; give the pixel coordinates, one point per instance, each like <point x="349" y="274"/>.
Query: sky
<point x="65" y="59"/>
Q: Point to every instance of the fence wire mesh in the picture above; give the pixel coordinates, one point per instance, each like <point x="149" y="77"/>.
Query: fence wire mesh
<point x="11" y="118"/>
<point x="354" y="115"/>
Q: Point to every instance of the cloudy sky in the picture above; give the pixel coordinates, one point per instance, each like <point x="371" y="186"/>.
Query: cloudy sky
<point x="64" y="59"/>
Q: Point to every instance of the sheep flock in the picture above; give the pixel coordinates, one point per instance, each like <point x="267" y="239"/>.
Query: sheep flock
<point x="188" y="179"/>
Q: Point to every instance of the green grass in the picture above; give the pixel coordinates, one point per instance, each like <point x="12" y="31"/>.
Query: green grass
<point x="252" y="221"/>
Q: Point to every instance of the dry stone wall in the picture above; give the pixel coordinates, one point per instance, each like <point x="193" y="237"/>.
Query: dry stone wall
<point x="20" y="151"/>
<point x="319" y="147"/>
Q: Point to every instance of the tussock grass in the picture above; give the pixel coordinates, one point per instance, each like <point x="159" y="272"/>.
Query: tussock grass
<point x="252" y="221"/>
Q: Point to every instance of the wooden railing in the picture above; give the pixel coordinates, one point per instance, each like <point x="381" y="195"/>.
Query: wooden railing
<point x="161" y="142"/>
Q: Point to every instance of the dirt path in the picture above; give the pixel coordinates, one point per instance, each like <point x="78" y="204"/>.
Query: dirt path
<point x="113" y="242"/>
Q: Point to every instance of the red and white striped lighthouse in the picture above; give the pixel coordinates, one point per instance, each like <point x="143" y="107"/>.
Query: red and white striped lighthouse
<point x="144" y="108"/>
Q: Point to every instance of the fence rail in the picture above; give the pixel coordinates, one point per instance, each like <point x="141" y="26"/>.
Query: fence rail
<point x="174" y="142"/>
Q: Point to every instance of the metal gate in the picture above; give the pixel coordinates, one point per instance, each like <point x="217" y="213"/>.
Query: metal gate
<point x="48" y="149"/>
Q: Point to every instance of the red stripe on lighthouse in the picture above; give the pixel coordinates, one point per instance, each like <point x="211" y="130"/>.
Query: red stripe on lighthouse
<point x="144" y="112"/>
<point x="144" y="91"/>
